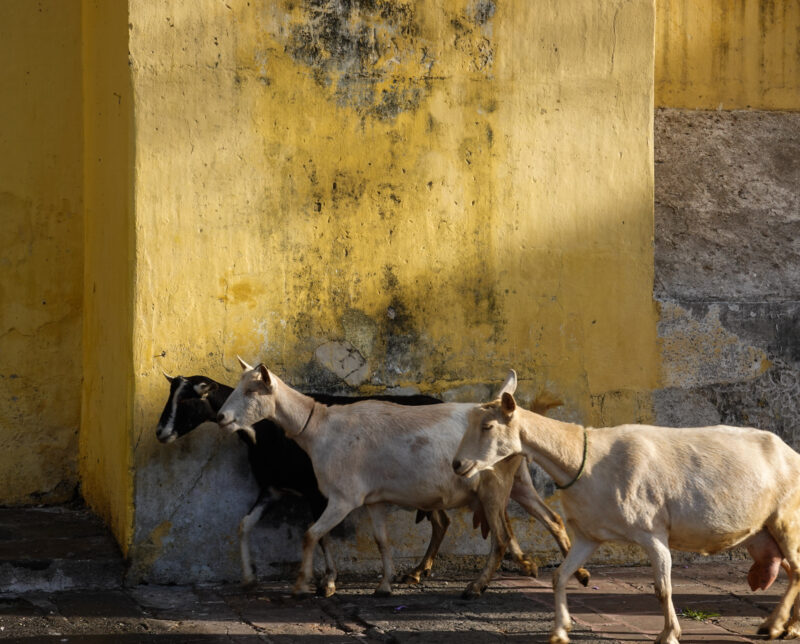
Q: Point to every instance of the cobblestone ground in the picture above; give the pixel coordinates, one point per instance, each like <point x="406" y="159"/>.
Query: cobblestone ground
<point x="618" y="606"/>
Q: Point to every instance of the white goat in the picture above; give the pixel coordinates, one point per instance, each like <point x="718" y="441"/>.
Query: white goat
<point x="375" y="453"/>
<point x="701" y="490"/>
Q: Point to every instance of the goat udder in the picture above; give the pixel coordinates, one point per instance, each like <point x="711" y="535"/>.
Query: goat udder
<point x="767" y="559"/>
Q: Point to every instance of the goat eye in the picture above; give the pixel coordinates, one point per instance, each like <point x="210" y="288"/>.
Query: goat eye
<point x="486" y="427"/>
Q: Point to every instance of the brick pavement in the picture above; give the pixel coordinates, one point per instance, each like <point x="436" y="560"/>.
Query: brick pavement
<point x="618" y="606"/>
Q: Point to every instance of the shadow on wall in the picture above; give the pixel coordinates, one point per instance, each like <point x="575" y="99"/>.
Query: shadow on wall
<point x="479" y="225"/>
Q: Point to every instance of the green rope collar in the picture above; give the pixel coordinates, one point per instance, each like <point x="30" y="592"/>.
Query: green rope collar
<point x="583" y="464"/>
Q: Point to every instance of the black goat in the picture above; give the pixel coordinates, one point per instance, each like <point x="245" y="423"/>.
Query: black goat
<point x="279" y="465"/>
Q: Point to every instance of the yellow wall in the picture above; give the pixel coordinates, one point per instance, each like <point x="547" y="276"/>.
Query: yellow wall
<point x="729" y="54"/>
<point x="41" y="281"/>
<point x="106" y="416"/>
<point x="478" y="193"/>
<point x="447" y="192"/>
<point x="443" y="191"/>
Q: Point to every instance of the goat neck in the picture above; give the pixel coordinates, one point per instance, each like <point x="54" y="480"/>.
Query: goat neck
<point x="556" y="446"/>
<point x="293" y="409"/>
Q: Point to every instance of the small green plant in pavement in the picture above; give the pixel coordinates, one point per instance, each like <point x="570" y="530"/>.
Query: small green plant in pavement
<point x="697" y="615"/>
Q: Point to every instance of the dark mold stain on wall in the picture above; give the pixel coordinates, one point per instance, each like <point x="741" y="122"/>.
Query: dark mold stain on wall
<point x="483" y="11"/>
<point x="352" y="46"/>
<point x="401" y="348"/>
<point x="402" y="342"/>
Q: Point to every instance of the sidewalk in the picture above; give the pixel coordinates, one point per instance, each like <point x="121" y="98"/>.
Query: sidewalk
<point x="619" y="606"/>
<point x="49" y="557"/>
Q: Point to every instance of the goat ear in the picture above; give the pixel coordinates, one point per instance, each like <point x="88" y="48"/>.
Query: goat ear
<point x="265" y="375"/>
<point x="508" y="404"/>
<point x="510" y="384"/>
<point x="169" y="379"/>
<point x="202" y="388"/>
<point x="245" y="366"/>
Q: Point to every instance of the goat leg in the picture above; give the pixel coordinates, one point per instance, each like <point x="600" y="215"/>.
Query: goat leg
<point x="335" y="512"/>
<point x="781" y="529"/>
<point x="377" y="515"/>
<point x="524" y="493"/>
<point x="327" y="585"/>
<point x="528" y="565"/>
<point x="439" y="523"/>
<point x="493" y="493"/>
<point x="265" y="499"/>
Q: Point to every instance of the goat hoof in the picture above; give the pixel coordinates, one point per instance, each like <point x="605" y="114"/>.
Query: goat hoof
<point x="668" y="638"/>
<point x="792" y="631"/>
<point x="301" y="592"/>
<point x="559" y="636"/>
<point x="771" y="631"/>
<point x="382" y="592"/>
<point x="328" y="590"/>
<point x="529" y="567"/>
<point x="473" y="591"/>
<point x="249" y="577"/>
<point x="416" y="576"/>
<point x="583" y="576"/>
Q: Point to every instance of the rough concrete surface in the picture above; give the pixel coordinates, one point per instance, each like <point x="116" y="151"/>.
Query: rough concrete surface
<point x="727" y="205"/>
<point x="727" y="268"/>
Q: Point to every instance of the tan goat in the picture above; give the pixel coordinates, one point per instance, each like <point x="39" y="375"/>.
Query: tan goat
<point x="700" y="490"/>
<point x="375" y="453"/>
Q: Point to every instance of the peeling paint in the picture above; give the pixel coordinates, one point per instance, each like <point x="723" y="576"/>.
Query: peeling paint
<point x="472" y="35"/>
<point x="701" y="351"/>
<point x="344" y="360"/>
<point x="148" y="550"/>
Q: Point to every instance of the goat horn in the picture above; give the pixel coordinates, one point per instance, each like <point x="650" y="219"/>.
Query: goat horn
<point x="510" y="384"/>
<point x="245" y="366"/>
<point x="167" y="376"/>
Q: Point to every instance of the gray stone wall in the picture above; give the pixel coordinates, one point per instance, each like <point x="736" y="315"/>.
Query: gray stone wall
<point x="727" y="268"/>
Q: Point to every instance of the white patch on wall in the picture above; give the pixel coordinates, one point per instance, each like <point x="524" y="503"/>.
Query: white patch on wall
<point x="344" y="360"/>
<point x="262" y="333"/>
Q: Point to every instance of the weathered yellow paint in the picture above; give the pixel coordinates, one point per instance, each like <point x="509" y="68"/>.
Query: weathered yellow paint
<point x="149" y="549"/>
<point x="474" y="191"/>
<point x="109" y="274"/>
<point x="447" y="190"/>
<point x="729" y="54"/>
<point x="41" y="262"/>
